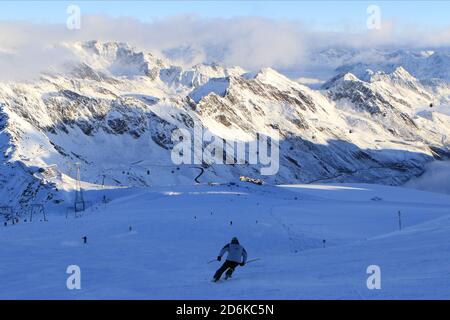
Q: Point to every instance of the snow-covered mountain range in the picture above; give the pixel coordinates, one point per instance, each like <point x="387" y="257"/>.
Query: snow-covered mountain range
<point x="423" y="64"/>
<point x="115" y="109"/>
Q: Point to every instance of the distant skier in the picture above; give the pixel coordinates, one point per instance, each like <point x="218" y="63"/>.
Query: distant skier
<point x="236" y="256"/>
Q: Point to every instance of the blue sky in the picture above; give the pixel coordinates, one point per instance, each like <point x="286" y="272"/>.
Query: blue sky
<point x="320" y="14"/>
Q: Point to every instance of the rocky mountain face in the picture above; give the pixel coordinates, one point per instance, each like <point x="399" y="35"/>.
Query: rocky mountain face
<point x="113" y="113"/>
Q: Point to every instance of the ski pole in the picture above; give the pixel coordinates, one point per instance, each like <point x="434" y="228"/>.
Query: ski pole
<point x="253" y="260"/>
<point x="212" y="261"/>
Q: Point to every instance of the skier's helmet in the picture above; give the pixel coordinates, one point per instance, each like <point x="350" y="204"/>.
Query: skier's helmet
<point x="235" y="240"/>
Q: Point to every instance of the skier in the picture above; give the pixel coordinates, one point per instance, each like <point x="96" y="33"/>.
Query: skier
<point x="236" y="252"/>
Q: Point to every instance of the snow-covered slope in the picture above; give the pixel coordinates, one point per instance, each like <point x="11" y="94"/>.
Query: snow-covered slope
<point x="175" y="231"/>
<point x="116" y="107"/>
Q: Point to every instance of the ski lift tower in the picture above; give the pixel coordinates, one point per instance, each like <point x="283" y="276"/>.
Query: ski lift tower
<point x="80" y="205"/>
<point x="8" y="213"/>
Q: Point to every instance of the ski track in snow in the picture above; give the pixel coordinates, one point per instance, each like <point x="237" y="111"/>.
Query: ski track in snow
<point x="175" y="231"/>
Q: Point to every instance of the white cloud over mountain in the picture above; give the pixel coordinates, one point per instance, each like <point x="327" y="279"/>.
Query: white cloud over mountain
<point x="250" y="42"/>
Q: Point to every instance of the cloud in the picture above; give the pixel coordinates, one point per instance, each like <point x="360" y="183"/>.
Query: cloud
<point x="28" y="49"/>
<point x="435" y="179"/>
<point x="252" y="42"/>
<point x="30" y="60"/>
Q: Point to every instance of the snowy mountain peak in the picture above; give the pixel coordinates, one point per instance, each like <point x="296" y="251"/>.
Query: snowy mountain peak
<point x="399" y="75"/>
<point x="338" y="79"/>
<point x="401" y="72"/>
<point x="116" y="58"/>
<point x="350" y="77"/>
<point x="105" y="49"/>
<point x="273" y="77"/>
<point x="270" y="75"/>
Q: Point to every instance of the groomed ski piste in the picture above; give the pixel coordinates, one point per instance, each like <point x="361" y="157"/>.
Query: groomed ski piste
<point x="154" y="243"/>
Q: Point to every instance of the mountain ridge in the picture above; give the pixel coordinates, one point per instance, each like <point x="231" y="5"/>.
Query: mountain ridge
<point x="118" y="106"/>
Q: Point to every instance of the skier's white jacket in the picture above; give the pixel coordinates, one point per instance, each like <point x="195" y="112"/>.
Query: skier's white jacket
<point x="235" y="252"/>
